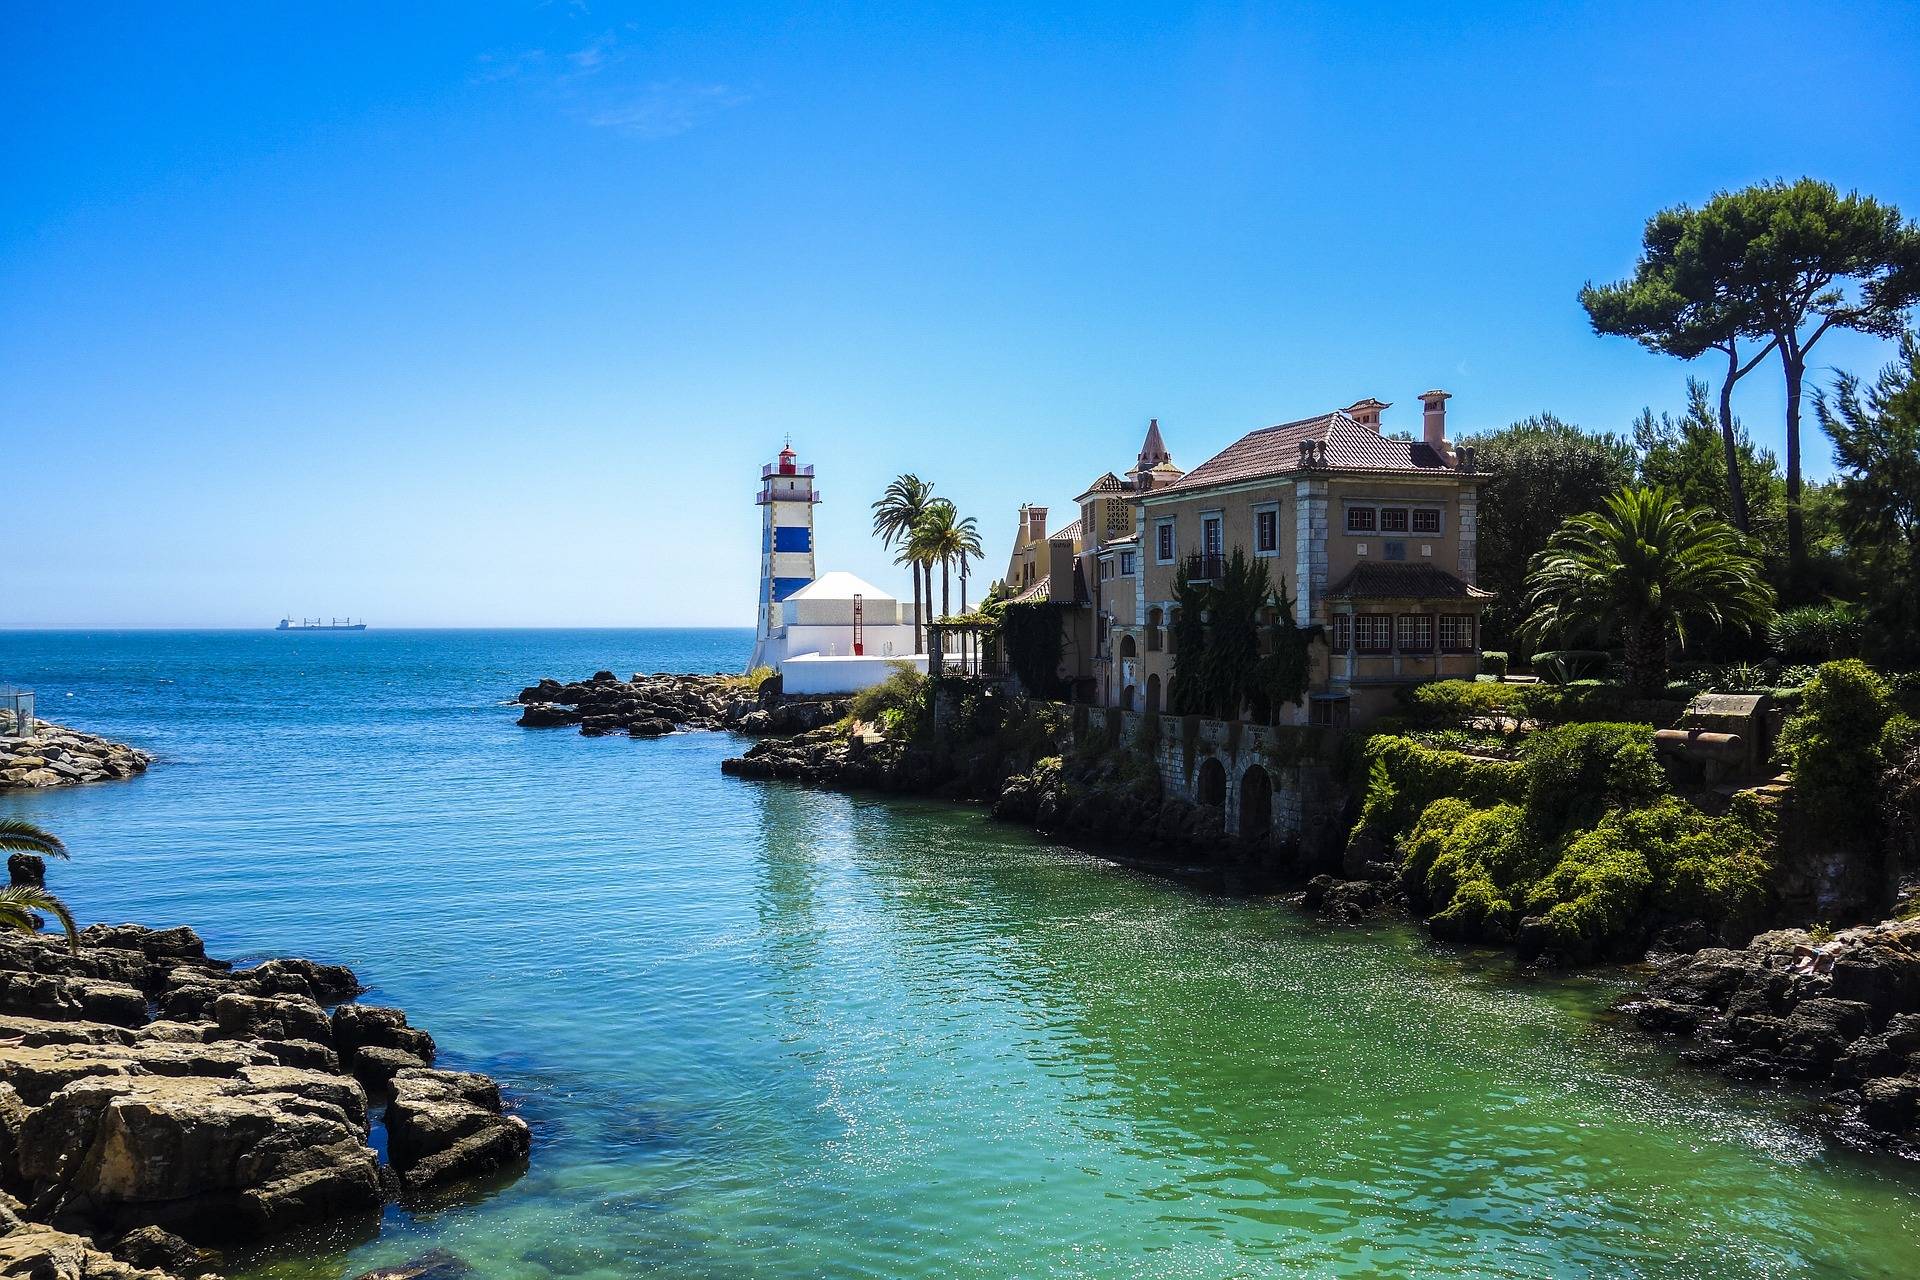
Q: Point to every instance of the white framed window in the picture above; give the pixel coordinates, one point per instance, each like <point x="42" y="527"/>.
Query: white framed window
<point x="1126" y="564"/>
<point x="1456" y="632"/>
<point x="1266" y="530"/>
<point x="1212" y="535"/>
<point x="1393" y="519"/>
<point x="1414" y="632"/>
<point x="1342" y="632"/>
<point x="1163" y="543"/>
<point x="1361" y="519"/>
<point x="1373" y="632"/>
<point x="1426" y="519"/>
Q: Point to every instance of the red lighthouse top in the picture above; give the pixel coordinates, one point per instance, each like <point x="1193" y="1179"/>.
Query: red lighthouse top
<point x="787" y="461"/>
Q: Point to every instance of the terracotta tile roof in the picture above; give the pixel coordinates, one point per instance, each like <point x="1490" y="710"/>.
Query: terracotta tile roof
<point x="1390" y="581"/>
<point x="1038" y="593"/>
<point x="1108" y="483"/>
<point x="1069" y="532"/>
<point x="1276" y="451"/>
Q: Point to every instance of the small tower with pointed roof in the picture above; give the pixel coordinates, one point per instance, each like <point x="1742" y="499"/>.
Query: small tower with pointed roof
<point x="1155" y="466"/>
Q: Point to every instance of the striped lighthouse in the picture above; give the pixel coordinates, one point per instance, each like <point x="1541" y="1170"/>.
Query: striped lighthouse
<point x="786" y="501"/>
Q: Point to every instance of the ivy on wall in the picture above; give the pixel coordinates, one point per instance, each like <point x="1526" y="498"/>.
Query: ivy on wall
<point x="1031" y="634"/>
<point x="1226" y="656"/>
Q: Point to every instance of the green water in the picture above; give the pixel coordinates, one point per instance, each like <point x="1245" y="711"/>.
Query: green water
<point x="763" y="1031"/>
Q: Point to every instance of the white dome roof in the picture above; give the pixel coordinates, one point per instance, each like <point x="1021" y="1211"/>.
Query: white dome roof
<point x="840" y="585"/>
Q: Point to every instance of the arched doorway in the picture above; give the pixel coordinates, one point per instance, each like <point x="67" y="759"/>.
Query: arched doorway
<point x="1126" y="698"/>
<point x="1211" y="786"/>
<point x="1153" y="692"/>
<point x="1256" y="803"/>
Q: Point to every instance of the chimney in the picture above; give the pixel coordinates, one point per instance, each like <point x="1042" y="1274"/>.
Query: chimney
<point x="1434" y="426"/>
<point x="1367" y="412"/>
<point x="1036" y="524"/>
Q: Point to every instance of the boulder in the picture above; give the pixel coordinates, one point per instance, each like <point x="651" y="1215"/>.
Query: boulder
<point x="160" y="1250"/>
<point x="377" y="1065"/>
<point x="32" y="1251"/>
<point x="448" y="1126"/>
<point x="435" y="1264"/>
<point x="244" y="1017"/>
<point x="268" y="1150"/>
<point x="357" y="1026"/>
<point x="62" y="998"/>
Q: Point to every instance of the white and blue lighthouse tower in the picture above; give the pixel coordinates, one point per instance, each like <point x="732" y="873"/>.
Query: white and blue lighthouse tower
<point x="786" y="501"/>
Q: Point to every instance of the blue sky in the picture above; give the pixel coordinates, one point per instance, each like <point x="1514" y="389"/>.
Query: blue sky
<point x="489" y="314"/>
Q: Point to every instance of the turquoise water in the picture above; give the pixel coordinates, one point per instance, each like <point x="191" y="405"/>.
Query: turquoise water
<point x="771" y="1032"/>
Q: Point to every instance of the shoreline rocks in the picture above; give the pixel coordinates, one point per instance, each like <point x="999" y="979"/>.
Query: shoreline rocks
<point x="56" y="756"/>
<point x="156" y="1103"/>
<point x="1839" y="1012"/>
<point x="651" y="706"/>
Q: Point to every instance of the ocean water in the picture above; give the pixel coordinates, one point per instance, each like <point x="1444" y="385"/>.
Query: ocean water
<point x="763" y="1031"/>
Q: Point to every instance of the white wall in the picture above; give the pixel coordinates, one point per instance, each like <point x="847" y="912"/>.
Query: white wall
<point x="837" y="641"/>
<point x="814" y="674"/>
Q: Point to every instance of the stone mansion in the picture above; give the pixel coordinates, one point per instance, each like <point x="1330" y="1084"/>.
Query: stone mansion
<point x="1371" y="535"/>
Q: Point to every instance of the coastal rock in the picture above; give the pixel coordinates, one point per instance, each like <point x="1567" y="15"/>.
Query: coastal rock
<point x="359" y="1026"/>
<point x="26" y="870"/>
<point x="377" y="1065"/>
<point x="445" y="1126"/>
<point x="64" y="998"/>
<point x="435" y="1264"/>
<point x="244" y="1017"/>
<point x="650" y="706"/>
<point x="1843" y="1009"/>
<point x="270" y="1149"/>
<point x="160" y="1250"/>
<point x="55" y="756"/>
<point x="32" y="1251"/>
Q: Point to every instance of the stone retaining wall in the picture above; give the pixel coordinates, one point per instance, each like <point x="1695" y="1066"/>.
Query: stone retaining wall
<point x="1228" y="763"/>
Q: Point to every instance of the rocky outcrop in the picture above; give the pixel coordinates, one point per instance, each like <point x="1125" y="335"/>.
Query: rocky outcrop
<point x="1839" y="1012"/>
<point x="155" y="1101"/>
<point x="55" y="756"/>
<point x="446" y="1126"/>
<point x="649" y="706"/>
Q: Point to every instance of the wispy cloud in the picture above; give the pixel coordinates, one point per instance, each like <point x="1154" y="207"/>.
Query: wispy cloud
<point x="597" y="83"/>
<point x="667" y="108"/>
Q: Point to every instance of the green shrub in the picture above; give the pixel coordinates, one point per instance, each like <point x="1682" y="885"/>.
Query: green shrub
<point x="1452" y="702"/>
<point x="1417" y="775"/>
<point x="1575" y="772"/>
<point x="903" y="692"/>
<point x="1561" y="666"/>
<point x="1493" y="662"/>
<point x="1664" y="860"/>
<point x="1818" y="632"/>
<point x="1834" y="746"/>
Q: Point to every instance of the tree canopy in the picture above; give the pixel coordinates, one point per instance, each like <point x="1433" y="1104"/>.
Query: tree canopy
<point x="1543" y="470"/>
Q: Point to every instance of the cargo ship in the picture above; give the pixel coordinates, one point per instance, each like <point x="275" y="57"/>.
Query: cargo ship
<point x="315" y="624"/>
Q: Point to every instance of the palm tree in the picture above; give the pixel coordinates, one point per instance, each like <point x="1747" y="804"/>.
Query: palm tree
<point x="19" y="902"/>
<point x="895" y="515"/>
<point x="970" y="550"/>
<point x="938" y="539"/>
<point x="1651" y="568"/>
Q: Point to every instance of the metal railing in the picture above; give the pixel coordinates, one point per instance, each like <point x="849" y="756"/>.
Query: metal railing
<point x="770" y="470"/>
<point x="762" y="498"/>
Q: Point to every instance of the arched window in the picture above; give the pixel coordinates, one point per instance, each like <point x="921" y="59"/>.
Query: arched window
<point x="1153" y="692"/>
<point x="1127" y="648"/>
<point x="1155" y="620"/>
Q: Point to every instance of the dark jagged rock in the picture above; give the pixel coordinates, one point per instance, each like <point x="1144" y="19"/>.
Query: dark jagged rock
<point x="650" y="706"/>
<point x="26" y="870"/>
<point x="1844" y="1011"/>
<point x="160" y="1250"/>
<point x="1350" y="901"/>
<point x="227" y="1118"/>
<point x="360" y="1026"/>
<point x="445" y="1126"/>
<point x="435" y="1264"/>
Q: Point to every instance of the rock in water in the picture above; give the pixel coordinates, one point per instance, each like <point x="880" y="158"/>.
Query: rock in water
<point x="447" y="1126"/>
<point x="435" y="1264"/>
<point x="269" y="1150"/>
<point x="160" y="1250"/>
